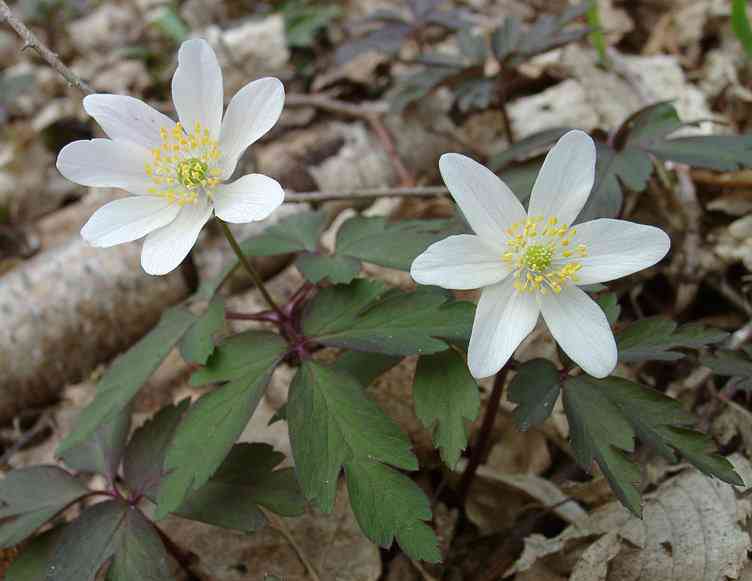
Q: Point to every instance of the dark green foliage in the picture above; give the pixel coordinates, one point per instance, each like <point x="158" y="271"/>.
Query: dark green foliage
<point x="333" y="425"/>
<point x="734" y="364"/>
<point x="446" y="398"/>
<point x="198" y="343"/>
<point x="654" y="339"/>
<point x="304" y="21"/>
<point x="102" y="452"/>
<point x="535" y="388"/>
<point x="605" y="417"/>
<point x="336" y="269"/>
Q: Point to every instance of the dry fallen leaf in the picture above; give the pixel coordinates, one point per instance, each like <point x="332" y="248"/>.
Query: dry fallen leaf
<point x="691" y="531"/>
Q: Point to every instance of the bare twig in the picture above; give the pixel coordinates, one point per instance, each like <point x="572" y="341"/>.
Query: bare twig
<point x="310" y="197"/>
<point x="326" y="103"/>
<point x="31" y="41"/>
<point x="279" y="525"/>
<point x="691" y="272"/>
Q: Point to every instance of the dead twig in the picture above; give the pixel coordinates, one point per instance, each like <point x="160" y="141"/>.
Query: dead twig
<point x="31" y="41"/>
<point x="279" y="525"/>
<point x="311" y="197"/>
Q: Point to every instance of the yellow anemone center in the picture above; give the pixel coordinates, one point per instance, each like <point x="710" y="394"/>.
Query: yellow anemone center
<point x="184" y="167"/>
<point x="543" y="255"/>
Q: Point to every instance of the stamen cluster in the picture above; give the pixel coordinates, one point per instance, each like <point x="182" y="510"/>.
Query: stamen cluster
<point x="541" y="254"/>
<point x="184" y="166"/>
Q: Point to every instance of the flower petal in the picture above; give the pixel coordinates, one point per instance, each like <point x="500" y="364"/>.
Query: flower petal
<point x="127" y="119"/>
<point x="104" y="163"/>
<point x="504" y="318"/>
<point x="165" y="249"/>
<point x="197" y="87"/>
<point x="128" y="219"/>
<point x="251" y="113"/>
<point x="459" y="262"/>
<point x="250" y="198"/>
<point x="617" y="248"/>
<point x="566" y="178"/>
<point x="579" y="325"/>
<point x="488" y="204"/>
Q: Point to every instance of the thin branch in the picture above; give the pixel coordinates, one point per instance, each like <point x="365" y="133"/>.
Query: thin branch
<point x="31" y="41"/>
<point x="305" y="197"/>
<point x="326" y="103"/>
<point x="279" y="525"/>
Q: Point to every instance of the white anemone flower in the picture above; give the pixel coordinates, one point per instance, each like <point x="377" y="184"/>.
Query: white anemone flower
<point x="176" y="171"/>
<point x="531" y="263"/>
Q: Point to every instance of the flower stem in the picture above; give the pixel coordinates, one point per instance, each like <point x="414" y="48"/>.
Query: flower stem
<point x="480" y="448"/>
<point x="249" y="268"/>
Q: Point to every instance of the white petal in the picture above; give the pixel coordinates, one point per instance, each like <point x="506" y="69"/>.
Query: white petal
<point x="104" y="163"/>
<point x="617" y="248"/>
<point x="459" y="262"/>
<point x="165" y="249"/>
<point x="488" y="204"/>
<point x="128" y="219"/>
<point x="251" y="113"/>
<point x="566" y="178"/>
<point x="197" y="87"/>
<point x="250" y="198"/>
<point x="504" y="317"/>
<point x="128" y="119"/>
<point x="579" y="325"/>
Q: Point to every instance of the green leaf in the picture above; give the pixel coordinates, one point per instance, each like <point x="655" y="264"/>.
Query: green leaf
<point x="144" y="456"/>
<point x="337" y="269"/>
<point x="388" y="505"/>
<point x="600" y="432"/>
<point x="139" y="552"/>
<point x="245" y="481"/>
<point x="731" y="363"/>
<point x="293" y="234"/>
<point x="535" y="389"/>
<point x="524" y="149"/>
<point x="740" y="24"/>
<point x="31" y="564"/>
<point x="129" y="372"/>
<point x="332" y="422"/>
<point x="596" y="37"/>
<point x="654" y="339"/>
<point x="394" y="245"/>
<point x="169" y="22"/>
<point x="303" y="22"/>
<point x="211" y="426"/>
<point x="102" y="452"/>
<point x="107" y="531"/>
<point x="446" y="397"/>
<point x="609" y="302"/>
<point x="198" y="343"/>
<point x="606" y="415"/>
<point x="396" y="324"/>
<point x="365" y="367"/>
<point x="32" y="496"/>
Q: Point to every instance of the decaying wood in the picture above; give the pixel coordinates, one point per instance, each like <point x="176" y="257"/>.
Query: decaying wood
<point x="67" y="310"/>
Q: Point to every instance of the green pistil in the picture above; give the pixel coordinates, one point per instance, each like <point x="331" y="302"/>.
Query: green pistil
<point x="192" y="173"/>
<point x="538" y="257"/>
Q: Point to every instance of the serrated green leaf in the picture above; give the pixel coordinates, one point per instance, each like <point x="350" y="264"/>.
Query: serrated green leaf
<point x="606" y="415"/>
<point x="365" y="367"/>
<point x="129" y="372"/>
<point x="102" y="452"/>
<point x="198" y="343"/>
<point x="388" y="505"/>
<point x="716" y="152"/>
<point x="139" y="552"/>
<point x="599" y="432"/>
<point x="32" y="496"/>
<point x="245" y="481"/>
<point x="740" y="24"/>
<point x="397" y="324"/>
<point x="144" y="456"/>
<point x="446" y="398"/>
<point x="535" y="390"/>
<point x="609" y="302"/>
<point x="88" y="542"/>
<point x="726" y="362"/>
<point x="332" y="422"/>
<point x="211" y="426"/>
<point x="303" y="22"/>
<point x="31" y="564"/>
<point x="293" y="234"/>
<point x="390" y="244"/>
<point x="337" y="269"/>
<point x="654" y="339"/>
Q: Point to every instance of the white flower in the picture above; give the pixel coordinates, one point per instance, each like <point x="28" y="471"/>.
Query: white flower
<point x="176" y="170"/>
<point x="531" y="263"/>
